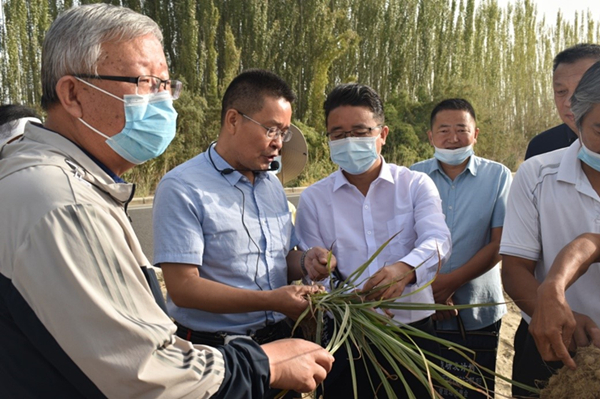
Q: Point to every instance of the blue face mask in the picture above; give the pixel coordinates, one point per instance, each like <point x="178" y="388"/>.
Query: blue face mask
<point x="355" y="155"/>
<point x="590" y="158"/>
<point x="453" y="157"/>
<point x="150" y="124"/>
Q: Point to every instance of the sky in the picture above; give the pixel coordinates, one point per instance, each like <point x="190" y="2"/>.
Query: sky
<point x="550" y="8"/>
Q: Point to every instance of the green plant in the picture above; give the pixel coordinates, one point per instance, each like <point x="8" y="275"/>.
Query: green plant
<point x="357" y="324"/>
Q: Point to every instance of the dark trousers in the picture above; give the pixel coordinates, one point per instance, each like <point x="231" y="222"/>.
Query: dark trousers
<point x="338" y="383"/>
<point x="484" y="342"/>
<point x="528" y="366"/>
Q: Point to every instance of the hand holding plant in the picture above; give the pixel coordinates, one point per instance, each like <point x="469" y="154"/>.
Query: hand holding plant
<point x="356" y="325"/>
<point x="319" y="263"/>
<point x="389" y="282"/>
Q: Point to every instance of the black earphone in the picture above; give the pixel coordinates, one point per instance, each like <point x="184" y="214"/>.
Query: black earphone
<point x="273" y="166"/>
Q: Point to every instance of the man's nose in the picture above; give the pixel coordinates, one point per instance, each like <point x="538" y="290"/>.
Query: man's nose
<point x="277" y="141"/>
<point x="568" y="102"/>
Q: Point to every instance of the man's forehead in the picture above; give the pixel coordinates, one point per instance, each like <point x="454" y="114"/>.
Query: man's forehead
<point x="358" y="116"/>
<point x="572" y="70"/>
<point x="453" y="117"/>
<point x="142" y="51"/>
<point x="447" y="124"/>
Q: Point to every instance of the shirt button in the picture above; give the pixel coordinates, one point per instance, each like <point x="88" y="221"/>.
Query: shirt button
<point x="369" y="232"/>
<point x="450" y="207"/>
<point x="366" y="206"/>
<point x="453" y="187"/>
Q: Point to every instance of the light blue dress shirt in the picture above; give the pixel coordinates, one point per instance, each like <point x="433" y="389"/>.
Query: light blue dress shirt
<point x="238" y="233"/>
<point x="473" y="203"/>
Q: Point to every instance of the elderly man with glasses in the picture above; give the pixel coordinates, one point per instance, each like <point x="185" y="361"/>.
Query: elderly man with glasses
<point x="77" y="315"/>
<point x="223" y="233"/>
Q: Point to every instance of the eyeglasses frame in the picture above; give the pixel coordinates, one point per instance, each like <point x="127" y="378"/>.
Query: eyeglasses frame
<point x="175" y="85"/>
<point x="352" y="134"/>
<point x="284" y="135"/>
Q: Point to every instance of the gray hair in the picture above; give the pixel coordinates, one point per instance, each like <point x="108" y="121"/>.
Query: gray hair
<point x="73" y="43"/>
<point x="587" y="94"/>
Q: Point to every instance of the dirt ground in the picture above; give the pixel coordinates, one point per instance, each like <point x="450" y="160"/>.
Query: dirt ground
<point x="510" y="322"/>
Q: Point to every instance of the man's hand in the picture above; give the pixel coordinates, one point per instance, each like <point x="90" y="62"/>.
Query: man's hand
<point x="397" y="275"/>
<point x="552" y="325"/>
<point x="445" y="314"/>
<point x="586" y="332"/>
<point x="297" y="364"/>
<point x="443" y="288"/>
<point x="291" y="300"/>
<point x="556" y="328"/>
<point x="315" y="263"/>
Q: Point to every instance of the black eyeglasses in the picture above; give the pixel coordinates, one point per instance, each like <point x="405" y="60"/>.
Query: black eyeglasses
<point x="358" y="132"/>
<point x="146" y="84"/>
<point x="272" y="132"/>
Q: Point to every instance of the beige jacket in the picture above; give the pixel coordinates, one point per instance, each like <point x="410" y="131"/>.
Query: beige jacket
<point x="68" y="248"/>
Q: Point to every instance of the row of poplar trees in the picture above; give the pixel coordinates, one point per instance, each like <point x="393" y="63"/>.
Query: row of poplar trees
<point x="413" y="52"/>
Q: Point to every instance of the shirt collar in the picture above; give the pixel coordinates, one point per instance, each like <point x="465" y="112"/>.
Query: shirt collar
<point x="384" y="174"/>
<point x="78" y="161"/>
<point x="569" y="170"/>
<point x="471" y="167"/>
<point x="105" y="168"/>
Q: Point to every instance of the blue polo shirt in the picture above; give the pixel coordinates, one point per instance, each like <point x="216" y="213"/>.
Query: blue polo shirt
<point x="238" y="233"/>
<point x="474" y="203"/>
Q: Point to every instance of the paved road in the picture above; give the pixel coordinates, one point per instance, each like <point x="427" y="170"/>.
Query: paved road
<point x="141" y="217"/>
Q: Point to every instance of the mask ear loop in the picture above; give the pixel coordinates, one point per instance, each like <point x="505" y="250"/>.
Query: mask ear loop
<point x="93" y="129"/>
<point x="102" y="90"/>
<point x="105" y="92"/>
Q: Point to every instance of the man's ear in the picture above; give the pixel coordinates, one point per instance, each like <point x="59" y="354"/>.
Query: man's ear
<point x="430" y="136"/>
<point x="67" y="91"/>
<point x="385" y="130"/>
<point x="475" y="135"/>
<point x="231" y="122"/>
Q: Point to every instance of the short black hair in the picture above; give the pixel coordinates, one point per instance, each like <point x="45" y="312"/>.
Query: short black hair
<point x="355" y="95"/>
<point x="577" y="52"/>
<point x="452" y="104"/>
<point x="11" y="112"/>
<point x="247" y="91"/>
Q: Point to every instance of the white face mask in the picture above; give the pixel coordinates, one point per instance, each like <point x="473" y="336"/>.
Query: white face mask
<point x="453" y="157"/>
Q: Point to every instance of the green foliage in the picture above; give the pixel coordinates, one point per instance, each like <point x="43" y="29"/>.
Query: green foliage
<point x="413" y="52"/>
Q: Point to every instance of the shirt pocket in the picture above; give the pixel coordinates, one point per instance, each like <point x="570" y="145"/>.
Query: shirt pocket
<point x="280" y="232"/>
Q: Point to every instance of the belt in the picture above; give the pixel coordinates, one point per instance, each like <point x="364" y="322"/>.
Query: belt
<point x="266" y="334"/>
<point x="421" y="323"/>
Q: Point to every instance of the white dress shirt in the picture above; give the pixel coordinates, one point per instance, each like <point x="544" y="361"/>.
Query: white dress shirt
<point x="333" y="213"/>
